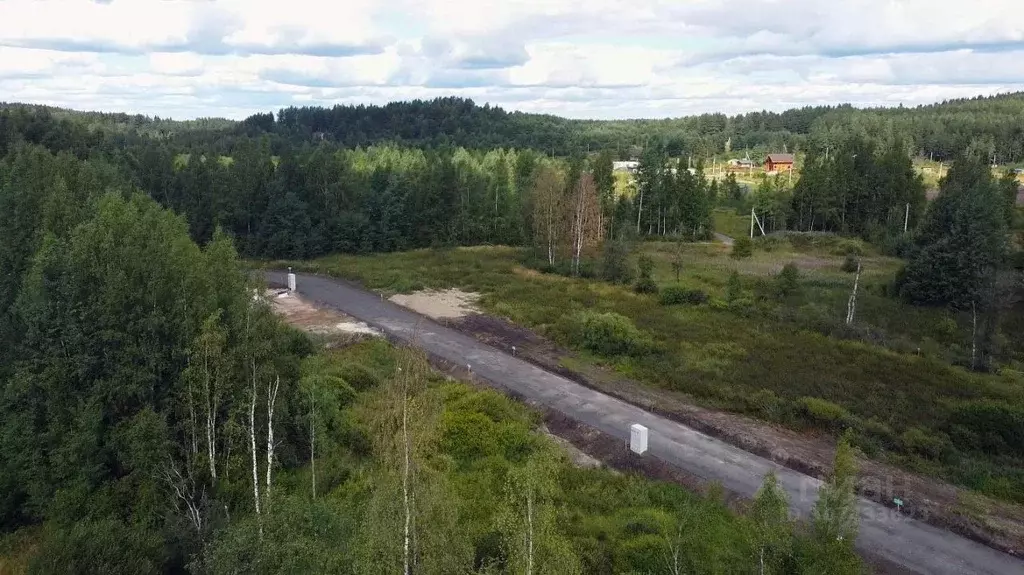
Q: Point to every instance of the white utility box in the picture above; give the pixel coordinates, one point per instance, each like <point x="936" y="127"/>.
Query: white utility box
<point x="638" y="438"/>
<point x="291" y="282"/>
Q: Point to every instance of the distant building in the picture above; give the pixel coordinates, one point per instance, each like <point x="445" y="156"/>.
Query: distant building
<point x="778" y="162"/>
<point x="628" y="166"/>
<point x="741" y="163"/>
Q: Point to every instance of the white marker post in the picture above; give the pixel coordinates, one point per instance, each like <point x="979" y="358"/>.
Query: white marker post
<point x="638" y="439"/>
<point x="291" y="280"/>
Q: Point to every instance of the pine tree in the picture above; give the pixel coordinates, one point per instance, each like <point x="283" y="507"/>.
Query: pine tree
<point x="962" y="241"/>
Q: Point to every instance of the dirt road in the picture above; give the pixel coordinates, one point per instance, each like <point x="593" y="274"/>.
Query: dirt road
<point x="906" y="542"/>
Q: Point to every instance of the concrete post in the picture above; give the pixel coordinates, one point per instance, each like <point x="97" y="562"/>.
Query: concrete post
<point x="291" y="280"/>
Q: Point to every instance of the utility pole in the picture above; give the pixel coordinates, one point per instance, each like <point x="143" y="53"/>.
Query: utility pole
<point x="751" y="223"/>
<point x="906" y="218"/>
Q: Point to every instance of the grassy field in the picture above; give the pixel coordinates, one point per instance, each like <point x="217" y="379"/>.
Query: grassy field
<point x="730" y="223"/>
<point x="784" y="358"/>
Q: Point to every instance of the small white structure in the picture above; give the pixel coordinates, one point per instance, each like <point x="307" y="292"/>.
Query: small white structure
<point x="291" y="280"/>
<point x="638" y="438"/>
<point x="628" y="166"/>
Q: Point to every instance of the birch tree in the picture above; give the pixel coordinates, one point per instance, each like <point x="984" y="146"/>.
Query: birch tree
<point x="586" y="225"/>
<point x="529" y="520"/>
<point x="772" y="530"/>
<point x="549" y="210"/>
<point x="410" y="525"/>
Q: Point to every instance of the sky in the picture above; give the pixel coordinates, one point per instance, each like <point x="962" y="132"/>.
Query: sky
<point x="583" y="59"/>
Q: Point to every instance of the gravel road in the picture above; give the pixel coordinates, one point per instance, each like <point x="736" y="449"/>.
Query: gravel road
<point x="917" y="546"/>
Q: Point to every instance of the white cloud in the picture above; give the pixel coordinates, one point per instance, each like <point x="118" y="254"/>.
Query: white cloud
<point x="600" y="58"/>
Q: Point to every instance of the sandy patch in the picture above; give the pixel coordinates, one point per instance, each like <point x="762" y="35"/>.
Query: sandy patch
<point x="442" y="304"/>
<point x="307" y="317"/>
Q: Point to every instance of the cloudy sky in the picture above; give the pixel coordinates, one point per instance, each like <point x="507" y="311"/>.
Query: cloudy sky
<point x="577" y="58"/>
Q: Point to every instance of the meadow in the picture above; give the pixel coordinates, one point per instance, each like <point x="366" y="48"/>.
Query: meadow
<point x="785" y="356"/>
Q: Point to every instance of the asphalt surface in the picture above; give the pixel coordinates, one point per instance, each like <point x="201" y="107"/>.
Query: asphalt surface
<point x="917" y="546"/>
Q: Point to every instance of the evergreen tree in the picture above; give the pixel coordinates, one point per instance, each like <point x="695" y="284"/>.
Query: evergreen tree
<point x="962" y="241"/>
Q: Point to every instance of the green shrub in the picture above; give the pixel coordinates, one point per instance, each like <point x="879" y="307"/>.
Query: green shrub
<point x="825" y="412"/>
<point x="644" y="282"/>
<point x="733" y="288"/>
<point x="359" y="377"/>
<point x="788" y="280"/>
<point x="925" y="442"/>
<point x="848" y="247"/>
<point x="406" y="285"/>
<point x="100" y="546"/>
<point x="608" y="334"/>
<point x="673" y="295"/>
<point x="998" y="426"/>
<point x="615" y="262"/>
<point x="765" y="403"/>
<point x="743" y="247"/>
<point x="850" y="263"/>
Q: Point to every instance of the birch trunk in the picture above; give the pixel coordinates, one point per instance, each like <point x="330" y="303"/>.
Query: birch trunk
<point x="639" y="211"/>
<point x="252" y="444"/>
<point x="271" y="400"/>
<point x="851" y="306"/>
<point x="405" y="473"/>
<point x="211" y="417"/>
<point x="193" y="422"/>
<point x="312" y="438"/>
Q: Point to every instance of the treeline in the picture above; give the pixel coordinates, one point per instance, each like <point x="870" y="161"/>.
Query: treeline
<point x="857" y="187"/>
<point x="993" y="124"/>
<point x="317" y="199"/>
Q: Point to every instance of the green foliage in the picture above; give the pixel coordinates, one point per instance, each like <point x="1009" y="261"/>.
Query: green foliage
<point x="850" y="264"/>
<point x="772" y="529"/>
<point x="961" y="242"/>
<point x="825" y="412"/>
<point x="835" y="515"/>
<point x="859" y="187"/>
<point x="733" y="288"/>
<point x="615" y="262"/>
<point x="992" y="426"/>
<point x="674" y="295"/>
<point x="608" y="334"/>
<point x="99" y="546"/>
<point x="788" y="280"/>
<point x="742" y="247"/>
<point x="644" y="282"/>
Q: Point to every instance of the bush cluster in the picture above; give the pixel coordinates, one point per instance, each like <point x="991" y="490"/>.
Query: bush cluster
<point x="644" y="281"/>
<point x="608" y="334"/>
<point x="743" y="247"/>
<point x="850" y="263"/>
<point x="674" y="295"/>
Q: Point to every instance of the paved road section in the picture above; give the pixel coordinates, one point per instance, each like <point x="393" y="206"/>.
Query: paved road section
<point x="917" y="546"/>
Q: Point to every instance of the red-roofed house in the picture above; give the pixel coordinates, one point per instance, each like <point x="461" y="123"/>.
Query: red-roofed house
<point x="778" y="162"/>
